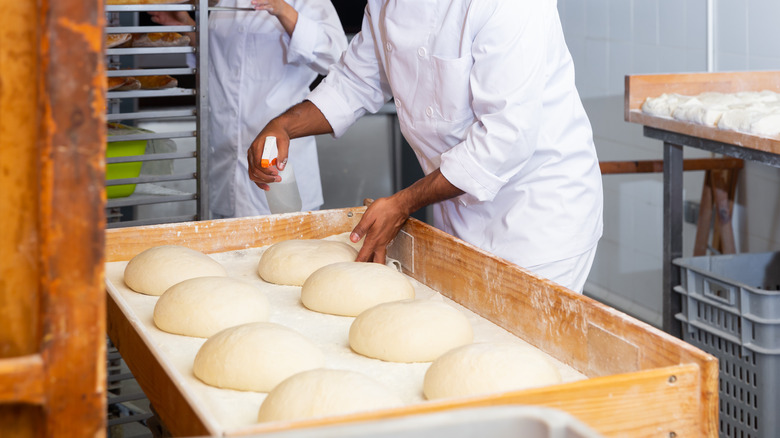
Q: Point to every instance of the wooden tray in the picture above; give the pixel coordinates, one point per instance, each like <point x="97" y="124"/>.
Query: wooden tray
<point x="642" y="382"/>
<point x="640" y="87"/>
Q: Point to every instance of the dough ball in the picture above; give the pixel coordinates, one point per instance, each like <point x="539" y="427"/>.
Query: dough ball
<point x="323" y="392"/>
<point x="344" y="237"/>
<point x="486" y="368"/>
<point x="203" y="306"/>
<point x="292" y="261"/>
<point x="254" y="357"/>
<point x="154" y="270"/>
<point x="349" y="288"/>
<point x="409" y="331"/>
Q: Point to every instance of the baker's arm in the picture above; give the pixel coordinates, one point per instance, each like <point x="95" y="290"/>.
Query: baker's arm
<point x="385" y="216"/>
<point x="301" y="120"/>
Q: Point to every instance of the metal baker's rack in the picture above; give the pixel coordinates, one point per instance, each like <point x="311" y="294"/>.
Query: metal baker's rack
<point x="181" y="194"/>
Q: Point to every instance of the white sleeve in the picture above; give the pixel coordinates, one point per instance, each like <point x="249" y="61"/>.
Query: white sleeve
<point x="507" y="80"/>
<point x="318" y="39"/>
<point x="355" y="85"/>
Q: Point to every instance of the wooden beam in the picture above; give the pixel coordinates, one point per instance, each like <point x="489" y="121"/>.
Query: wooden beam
<point x="22" y="380"/>
<point x="657" y="166"/>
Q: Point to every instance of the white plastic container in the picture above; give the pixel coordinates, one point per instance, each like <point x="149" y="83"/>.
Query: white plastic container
<point x="283" y="196"/>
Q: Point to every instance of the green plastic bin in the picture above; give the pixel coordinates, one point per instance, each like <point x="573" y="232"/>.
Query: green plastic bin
<point x="123" y="170"/>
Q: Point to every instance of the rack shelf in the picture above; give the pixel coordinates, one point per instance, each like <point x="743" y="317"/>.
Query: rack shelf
<point x="173" y="167"/>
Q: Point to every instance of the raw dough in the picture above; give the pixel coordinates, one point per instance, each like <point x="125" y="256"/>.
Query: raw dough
<point x="349" y="288"/>
<point x="664" y="105"/>
<point x="255" y="357"/>
<point x="203" y="306"/>
<point x="323" y="392"/>
<point x="409" y="331"/>
<point x="751" y="112"/>
<point x="486" y="368"/>
<point x="290" y="262"/>
<point x="156" y="269"/>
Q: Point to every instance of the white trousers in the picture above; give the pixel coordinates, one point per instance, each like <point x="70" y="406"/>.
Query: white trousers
<point x="571" y="272"/>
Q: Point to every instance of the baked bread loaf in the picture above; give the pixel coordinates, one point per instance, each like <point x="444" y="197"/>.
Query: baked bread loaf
<point x="160" y="39"/>
<point x="117" y="39"/>
<point x="115" y="82"/>
<point x="157" y="82"/>
<point x="130" y="83"/>
<point x="142" y="2"/>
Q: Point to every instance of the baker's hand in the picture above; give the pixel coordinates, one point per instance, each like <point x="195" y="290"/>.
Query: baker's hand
<point x="171" y="18"/>
<point x="262" y="176"/>
<point x="379" y="226"/>
<point x="274" y="7"/>
<point x="284" y="12"/>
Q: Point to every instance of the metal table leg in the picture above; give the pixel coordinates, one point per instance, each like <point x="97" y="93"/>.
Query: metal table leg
<point x="672" y="235"/>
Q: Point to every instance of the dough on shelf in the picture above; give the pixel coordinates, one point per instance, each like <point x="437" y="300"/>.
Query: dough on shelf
<point x="118" y="39"/>
<point x="749" y="112"/>
<point x="325" y="392"/>
<point x="290" y="262"/>
<point x="154" y="270"/>
<point x="160" y="39"/>
<point x="203" y="306"/>
<point x="409" y="331"/>
<point x="349" y="288"/>
<point x="483" y="368"/>
<point x="255" y="357"/>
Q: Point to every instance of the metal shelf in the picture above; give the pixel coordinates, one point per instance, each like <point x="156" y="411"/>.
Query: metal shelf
<point x="149" y="29"/>
<point x="150" y="136"/>
<point x="145" y="8"/>
<point x="184" y="177"/>
<point x="149" y="50"/>
<point x="145" y="115"/>
<point x="151" y="93"/>
<point x="150" y="157"/>
<point x="150" y="72"/>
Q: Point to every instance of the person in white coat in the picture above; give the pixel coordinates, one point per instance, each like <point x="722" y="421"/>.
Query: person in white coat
<point x="485" y="96"/>
<point x="260" y="64"/>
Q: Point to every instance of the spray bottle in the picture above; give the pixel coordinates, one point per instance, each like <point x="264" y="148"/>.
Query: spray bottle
<point x="283" y="196"/>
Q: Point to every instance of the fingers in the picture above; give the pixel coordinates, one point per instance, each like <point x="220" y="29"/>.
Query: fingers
<point x="261" y="176"/>
<point x="377" y="236"/>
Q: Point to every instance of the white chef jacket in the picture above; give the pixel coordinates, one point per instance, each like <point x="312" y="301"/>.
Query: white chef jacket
<point x="256" y="72"/>
<point x="484" y="91"/>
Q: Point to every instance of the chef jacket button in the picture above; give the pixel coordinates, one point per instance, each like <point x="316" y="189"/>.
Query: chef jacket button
<point x="241" y="28"/>
<point x="429" y="111"/>
<point x="421" y="51"/>
<point x="389" y="47"/>
<point x="397" y="103"/>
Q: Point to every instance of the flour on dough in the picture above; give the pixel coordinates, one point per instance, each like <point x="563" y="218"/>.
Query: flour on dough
<point x="349" y="288"/>
<point x="325" y="392"/>
<point x="203" y="306"/>
<point x="409" y="331"/>
<point x="290" y="262"/>
<point x="750" y="112"/>
<point x="483" y="368"/>
<point x="154" y="270"/>
<point x="255" y="357"/>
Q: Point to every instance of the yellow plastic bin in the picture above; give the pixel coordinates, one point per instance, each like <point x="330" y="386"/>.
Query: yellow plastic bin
<point x="123" y="170"/>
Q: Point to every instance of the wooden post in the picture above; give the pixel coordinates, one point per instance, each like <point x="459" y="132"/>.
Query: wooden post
<point x="52" y="175"/>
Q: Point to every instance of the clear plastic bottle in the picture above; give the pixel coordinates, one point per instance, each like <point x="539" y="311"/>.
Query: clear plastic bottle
<point x="283" y="196"/>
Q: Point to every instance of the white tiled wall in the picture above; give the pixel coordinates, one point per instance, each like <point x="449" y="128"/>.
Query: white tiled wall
<point x="609" y="39"/>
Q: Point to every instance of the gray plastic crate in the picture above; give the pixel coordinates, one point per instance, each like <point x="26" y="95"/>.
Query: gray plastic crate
<point x="493" y="422"/>
<point x="731" y="309"/>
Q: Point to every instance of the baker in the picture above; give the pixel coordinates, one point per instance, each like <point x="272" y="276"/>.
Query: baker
<point x="485" y="96"/>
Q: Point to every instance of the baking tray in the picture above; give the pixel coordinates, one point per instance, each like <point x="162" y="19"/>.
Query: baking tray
<point x="641" y="381"/>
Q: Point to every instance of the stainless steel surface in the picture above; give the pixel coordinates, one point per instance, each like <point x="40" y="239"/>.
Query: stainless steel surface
<point x="227" y="8"/>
